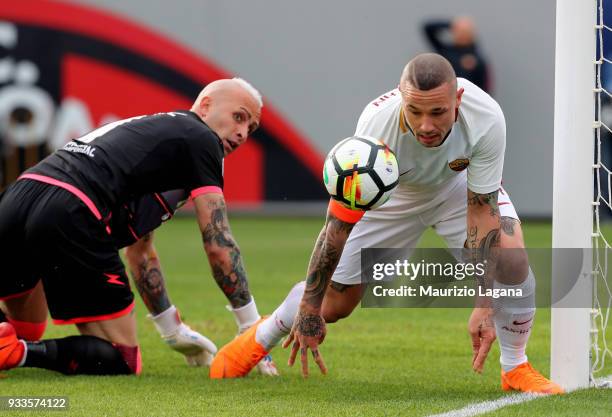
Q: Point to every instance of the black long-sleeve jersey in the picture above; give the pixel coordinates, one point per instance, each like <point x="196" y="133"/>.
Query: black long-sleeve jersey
<point x="125" y="160"/>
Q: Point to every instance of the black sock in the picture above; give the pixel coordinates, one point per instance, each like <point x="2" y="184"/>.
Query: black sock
<point x="77" y="355"/>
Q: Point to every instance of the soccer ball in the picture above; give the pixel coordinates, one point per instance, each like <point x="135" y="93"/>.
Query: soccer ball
<point x="361" y="173"/>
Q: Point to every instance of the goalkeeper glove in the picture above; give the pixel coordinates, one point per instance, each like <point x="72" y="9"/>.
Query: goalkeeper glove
<point x="198" y="349"/>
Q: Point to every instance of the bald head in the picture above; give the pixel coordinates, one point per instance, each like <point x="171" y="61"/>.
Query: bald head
<point x="233" y="86"/>
<point x="426" y="72"/>
<point x="231" y="108"/>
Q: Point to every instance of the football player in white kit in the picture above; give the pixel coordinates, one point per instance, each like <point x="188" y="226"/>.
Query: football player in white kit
<point x="449" y="137"/>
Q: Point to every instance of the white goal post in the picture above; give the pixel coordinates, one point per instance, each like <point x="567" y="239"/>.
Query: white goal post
<point x="574" y="146"/>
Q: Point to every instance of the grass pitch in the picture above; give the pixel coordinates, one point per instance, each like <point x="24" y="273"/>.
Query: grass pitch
<point x="382" y="362"/>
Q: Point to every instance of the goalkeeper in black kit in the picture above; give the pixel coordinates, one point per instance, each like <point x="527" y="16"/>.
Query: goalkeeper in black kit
<point x="107" y="189"/>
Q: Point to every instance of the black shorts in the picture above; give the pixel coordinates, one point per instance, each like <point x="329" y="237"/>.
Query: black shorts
<point x="48" y="233"/>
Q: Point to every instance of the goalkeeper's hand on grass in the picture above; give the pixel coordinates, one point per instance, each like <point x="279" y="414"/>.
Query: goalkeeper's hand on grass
<point x="198" y="349"/>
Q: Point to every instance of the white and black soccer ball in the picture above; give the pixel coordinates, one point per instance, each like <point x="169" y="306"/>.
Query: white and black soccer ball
<point x="361" y="173"/>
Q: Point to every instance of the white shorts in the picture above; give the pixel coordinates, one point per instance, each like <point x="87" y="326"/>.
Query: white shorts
<point x="402" y="220"/>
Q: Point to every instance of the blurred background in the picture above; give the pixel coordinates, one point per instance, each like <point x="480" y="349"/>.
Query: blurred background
<point x="67" y="67"/>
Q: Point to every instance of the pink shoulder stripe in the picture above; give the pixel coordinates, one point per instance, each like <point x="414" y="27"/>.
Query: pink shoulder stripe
<point x="209" y="189"/>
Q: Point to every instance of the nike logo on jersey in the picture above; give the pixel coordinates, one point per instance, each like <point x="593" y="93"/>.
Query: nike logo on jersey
<point x="113" y="279"/>
<point x="520" y="323"/>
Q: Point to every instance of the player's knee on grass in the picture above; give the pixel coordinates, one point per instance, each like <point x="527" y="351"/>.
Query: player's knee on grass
<point x="84" y="355"/>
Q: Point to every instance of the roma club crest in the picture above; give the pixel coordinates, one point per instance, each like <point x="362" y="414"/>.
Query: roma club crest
<point x="459" y="164"/>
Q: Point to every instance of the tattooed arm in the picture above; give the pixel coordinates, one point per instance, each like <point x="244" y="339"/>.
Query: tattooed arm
<point x="222" y="250"/>
<point x="323" y="261"/>
<point x="483" y="220"/>
<point x="309" y="327"/>
<point x="146" y="272"/>
<point x="483" y="228"/>
<point x="483" y="234"/>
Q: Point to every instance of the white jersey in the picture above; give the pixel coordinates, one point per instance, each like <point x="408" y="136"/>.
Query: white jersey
<point x="475" y="144"/>
<point x="432" y="188"/>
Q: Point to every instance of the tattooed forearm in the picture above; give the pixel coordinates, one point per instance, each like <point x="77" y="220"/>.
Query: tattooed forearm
<point x="224" y="256"/>
<point x="234" y="284"/>
<point x="152" y="290"/>
<point x="482" y="220"/>
<point x="483" y="233"/>
<point x="315" y="284"/>
<point x="491" y="240"/>
<point x="324" y="259"/>
<point x="318" y="278"/>
<point x="151" y="285"/>
<point x="481" y="246"/>
<point x="472" y="237"/>
<point x="218" y="231"/>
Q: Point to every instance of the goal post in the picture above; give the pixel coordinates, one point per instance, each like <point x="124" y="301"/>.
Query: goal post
<point x="575" y="54"/>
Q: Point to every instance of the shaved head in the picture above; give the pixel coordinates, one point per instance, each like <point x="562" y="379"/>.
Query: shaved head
<point x="231" y="108"/>
<point x="426" y="72"/>
<point x="230" y="86"/>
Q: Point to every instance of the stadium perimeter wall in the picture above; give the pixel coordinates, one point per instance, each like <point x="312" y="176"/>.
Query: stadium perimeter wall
<point x="319" y="62"/>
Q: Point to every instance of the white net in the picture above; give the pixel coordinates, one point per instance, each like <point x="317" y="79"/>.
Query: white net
<point x="602" y="204"/>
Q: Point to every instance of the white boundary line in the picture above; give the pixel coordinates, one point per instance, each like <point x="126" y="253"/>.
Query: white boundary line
<point x="475" y="409"/>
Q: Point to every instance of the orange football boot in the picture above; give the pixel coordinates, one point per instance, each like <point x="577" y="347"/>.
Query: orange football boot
<point x="238" y="357"/>
<point x="11" y="348"/>
<point x="525" y="378"/>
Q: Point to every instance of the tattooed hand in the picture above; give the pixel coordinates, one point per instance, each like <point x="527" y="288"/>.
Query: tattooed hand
<point x="482" y="331"/>
<point x="308" y="332"/>
<point x="309" y="329"/>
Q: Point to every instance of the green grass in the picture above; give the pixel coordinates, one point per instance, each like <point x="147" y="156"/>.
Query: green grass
<point x="382" y="362"/>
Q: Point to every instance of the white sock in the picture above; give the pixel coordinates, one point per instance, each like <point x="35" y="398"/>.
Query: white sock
<point x="279" y="324"/>
<point x="513" y="321"/>
<point x="245" y="316"/>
